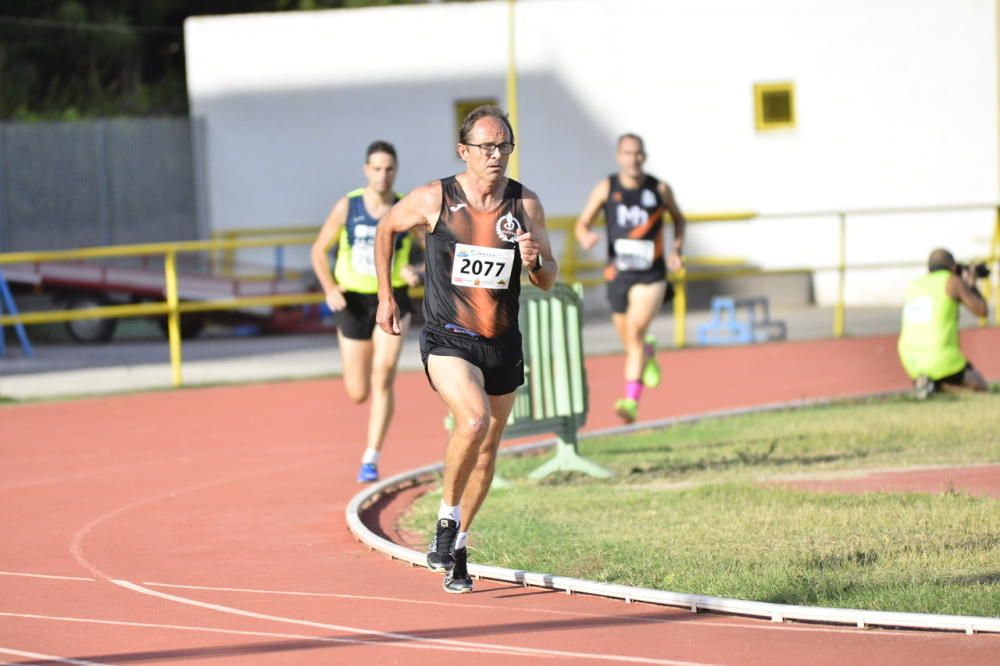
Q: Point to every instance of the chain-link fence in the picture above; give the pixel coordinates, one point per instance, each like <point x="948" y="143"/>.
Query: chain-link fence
<point x="100" y="182"/>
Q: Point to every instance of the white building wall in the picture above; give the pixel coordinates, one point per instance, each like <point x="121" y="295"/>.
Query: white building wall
<point x="896" y="103"/>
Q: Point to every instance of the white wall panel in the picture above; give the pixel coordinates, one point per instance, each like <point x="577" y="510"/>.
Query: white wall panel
<point x="896" y="104"/>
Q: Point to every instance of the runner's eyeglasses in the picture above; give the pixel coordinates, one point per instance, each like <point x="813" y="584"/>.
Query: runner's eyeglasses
<point x="506" y="148"/>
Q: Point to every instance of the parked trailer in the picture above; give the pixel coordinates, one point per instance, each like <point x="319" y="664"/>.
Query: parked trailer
<point x="88" y="284"/>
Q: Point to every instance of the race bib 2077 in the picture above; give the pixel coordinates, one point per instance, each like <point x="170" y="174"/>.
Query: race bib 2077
<point x="483" y="267"/>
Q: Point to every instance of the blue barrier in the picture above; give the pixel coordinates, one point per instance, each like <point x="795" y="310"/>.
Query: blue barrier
<point x="6" y="298"/>
<point x="727" y="327"/>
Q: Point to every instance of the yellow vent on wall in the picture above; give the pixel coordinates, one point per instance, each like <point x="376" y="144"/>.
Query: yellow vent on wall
<point x="774" y="106"/>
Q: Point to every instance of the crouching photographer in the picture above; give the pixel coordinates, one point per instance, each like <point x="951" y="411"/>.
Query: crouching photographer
<point x="928" y="340"/>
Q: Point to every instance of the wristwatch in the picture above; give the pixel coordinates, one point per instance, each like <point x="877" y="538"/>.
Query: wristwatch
<point x="538" y="265"/>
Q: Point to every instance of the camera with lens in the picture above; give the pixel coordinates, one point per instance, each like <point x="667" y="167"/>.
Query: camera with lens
<point x="980" y="270"/>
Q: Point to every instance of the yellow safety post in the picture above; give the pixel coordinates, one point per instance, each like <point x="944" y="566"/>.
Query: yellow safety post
<point x="571" y="259"/>
<point x="995" y="265"/>
<point x="513" y="165"/>
<point x="173" y="316"/>
<point x="228" y="254"/>
<point x="680" y="307"/>
<point x="838" y="312"/>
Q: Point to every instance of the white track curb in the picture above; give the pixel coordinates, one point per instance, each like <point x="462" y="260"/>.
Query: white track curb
<point x="693" y="602"/>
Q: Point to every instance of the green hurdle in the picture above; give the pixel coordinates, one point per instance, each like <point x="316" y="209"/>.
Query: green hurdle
<point x="554" y="397"/>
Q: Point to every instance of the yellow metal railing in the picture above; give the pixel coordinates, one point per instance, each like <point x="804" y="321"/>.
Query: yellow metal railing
<point x="172" y="307"/>
<point x="227" y="255"/>
<point x="570" y="263"/>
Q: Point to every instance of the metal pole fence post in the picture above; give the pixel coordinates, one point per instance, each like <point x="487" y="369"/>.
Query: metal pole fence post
<point x="995" y="265"/>
<point x="4" y="167"/>
<point x="838" y="313"/>
<point x="103" y="177"/>
<point x="680" y="308"/>
<point x="514" y="165"/>
<point x="173" y="316"/>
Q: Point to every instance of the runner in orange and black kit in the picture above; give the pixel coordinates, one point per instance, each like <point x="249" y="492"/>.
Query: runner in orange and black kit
<point x="482" y="229"/>
<point x="463" y="318"/>
<point x="634" y="203"/>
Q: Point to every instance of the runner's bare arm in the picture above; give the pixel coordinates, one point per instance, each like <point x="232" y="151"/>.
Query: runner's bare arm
<point x="960" y="289"/>
<point x="535" y="243"/>
<point x="414" y="273"/>
<point x="598" y="196"/>
<point x="419" y="208"/>
<point x="674" y="261"/>
<point x="329" y="233"/>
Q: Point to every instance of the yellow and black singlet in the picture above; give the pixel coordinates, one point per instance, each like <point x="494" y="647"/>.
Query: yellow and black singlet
<point x="355" y="269"/>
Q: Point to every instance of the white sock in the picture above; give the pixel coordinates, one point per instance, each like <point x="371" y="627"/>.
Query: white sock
<point x="370" y="456"/>
<point x="448" y="511"/>
<point x="461" y="539"/>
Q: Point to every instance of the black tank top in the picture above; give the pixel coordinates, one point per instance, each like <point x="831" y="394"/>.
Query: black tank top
<point x="634" y="221"/>
<point x="473" y="264"/>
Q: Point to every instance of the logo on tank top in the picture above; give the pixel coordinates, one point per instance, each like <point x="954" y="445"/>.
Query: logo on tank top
<point x="509" y="228"/>
<point x="631" y="216"/>
<point x="648" y="199"/>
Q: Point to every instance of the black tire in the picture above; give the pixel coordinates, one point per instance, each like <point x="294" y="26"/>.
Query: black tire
<point x="191" y="327"/>
<point x="90" y="331"/>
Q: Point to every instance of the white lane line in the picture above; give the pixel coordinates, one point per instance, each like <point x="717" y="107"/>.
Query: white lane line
<point x="47" y="657"/>
<point x="48" y="576"/>
<point x="76" y="544"/>
<point x="365" y="597"/>
<point x="76" y="549"/>
<point x="698" y="620"/>
<point x="409" y="638"/>
<point x="235" y="632"/>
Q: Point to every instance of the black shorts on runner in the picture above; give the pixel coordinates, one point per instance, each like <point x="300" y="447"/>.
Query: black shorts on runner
<point x="619" y="285"/>
<point x="500" y="359"/>
<point x="357" y="320"/>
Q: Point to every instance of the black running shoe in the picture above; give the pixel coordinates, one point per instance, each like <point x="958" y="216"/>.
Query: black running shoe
<point x="441" y="554"/>
<point x="457" y="581"/>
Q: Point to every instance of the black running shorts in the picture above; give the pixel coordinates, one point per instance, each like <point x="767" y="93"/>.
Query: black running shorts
<point x="357" y="320"/>
<point x="500" y="359"/>
<point x="619" y="285"/>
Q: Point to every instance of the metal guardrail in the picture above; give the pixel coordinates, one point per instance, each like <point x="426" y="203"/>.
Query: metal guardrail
<point x="572" y="265"/>
<point x="693" y="602"/>
<point x="172" y="307"/>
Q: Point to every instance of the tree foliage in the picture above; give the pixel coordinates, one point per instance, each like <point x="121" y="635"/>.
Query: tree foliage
<point x="65" y="59"/>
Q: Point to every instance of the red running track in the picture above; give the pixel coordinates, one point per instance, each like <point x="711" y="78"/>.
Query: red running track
<point x="206" y="525"/>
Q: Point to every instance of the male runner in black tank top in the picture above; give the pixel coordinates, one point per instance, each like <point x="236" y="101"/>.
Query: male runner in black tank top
<point x="633" y="203"/>
<point x="482" y="231"/>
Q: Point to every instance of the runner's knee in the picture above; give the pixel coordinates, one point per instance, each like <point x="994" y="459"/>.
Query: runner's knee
<point x="357" y="394"/>
<point x="473" y="426"/>
<point x="382" y="378"/>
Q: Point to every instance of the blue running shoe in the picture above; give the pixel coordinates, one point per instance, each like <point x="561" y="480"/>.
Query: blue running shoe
<point x="368" y="473"/>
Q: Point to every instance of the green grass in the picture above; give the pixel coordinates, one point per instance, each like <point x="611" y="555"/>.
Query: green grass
<point x="685" y="513"/>
<point x="883" y="433"/>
